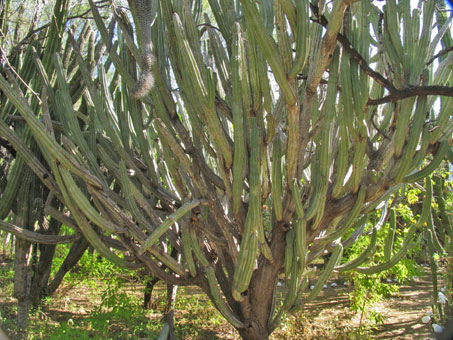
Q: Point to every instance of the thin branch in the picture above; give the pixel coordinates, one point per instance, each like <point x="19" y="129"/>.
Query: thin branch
<point x="379" y="78"/>
<point x="206" y="25"/>
<point x="10" y="68"/>
<point x="4" y="143"/>
<point x="395" y="94"/>
<point x="432" y="90"/>
<point x="26" y="39"/>
<point x="55" y="123"/>
<point x="440" y="54"/>
<point x="36" y="237"/>
<point x="303" y="77"/>
<point x="377" y="128"/>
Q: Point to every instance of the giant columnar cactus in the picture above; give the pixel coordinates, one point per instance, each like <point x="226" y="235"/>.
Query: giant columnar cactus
<point x="21" y="191"/>
<point x="439" y="239"/>
<point x="315" y="111"/>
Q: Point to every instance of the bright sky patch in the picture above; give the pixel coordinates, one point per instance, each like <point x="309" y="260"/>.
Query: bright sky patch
<point x="449" y="3"/>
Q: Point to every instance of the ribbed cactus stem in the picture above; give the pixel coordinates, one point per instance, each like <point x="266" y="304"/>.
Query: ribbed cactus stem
<point x="433" y="266"/>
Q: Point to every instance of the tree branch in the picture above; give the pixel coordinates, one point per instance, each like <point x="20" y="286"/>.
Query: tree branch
<point x="36" y="237"/>
<point x="395" y="94"/>
<point x="344" y="41"/>
<point x="440" y="54"/>
<point x="433" y="90"/>
<point x="32" y="32"/>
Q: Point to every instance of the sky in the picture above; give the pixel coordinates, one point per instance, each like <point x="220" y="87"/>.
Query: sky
<point x="449" y="3"/>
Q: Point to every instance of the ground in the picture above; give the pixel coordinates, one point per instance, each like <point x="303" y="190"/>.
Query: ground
<point x="93" y="309"/>
<point x="402" y="312"/>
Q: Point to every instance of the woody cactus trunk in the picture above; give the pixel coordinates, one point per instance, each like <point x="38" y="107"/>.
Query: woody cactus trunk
<point x="439" y="240"/>
<point x="270" y="129"/>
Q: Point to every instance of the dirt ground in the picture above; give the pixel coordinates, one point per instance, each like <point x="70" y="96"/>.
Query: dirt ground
<point x="402" y="313"/>
<point x="328" y="313"/>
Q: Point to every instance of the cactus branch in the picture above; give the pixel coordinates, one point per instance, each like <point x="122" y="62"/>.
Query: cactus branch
<point x="141" y="12"/>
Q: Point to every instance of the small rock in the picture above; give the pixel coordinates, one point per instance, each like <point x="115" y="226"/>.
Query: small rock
<point x="437" y="328"/>
<point x="426" y="319"/>
<point x="334" y="284"/>
<point x="442" y="298"/>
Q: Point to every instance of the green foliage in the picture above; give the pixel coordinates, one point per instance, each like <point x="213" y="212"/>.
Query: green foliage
<point x="119" y="314"/>
<point x="300" y="327"/>
<point x="198" y="315"/>
<point x="122" y="310"/>
<point x="412" y="195"/>
<point x="90" y="267"/>
<point x="99" y="326"/>
<point x="6" y="274"/>
<point x="371" y="289"/>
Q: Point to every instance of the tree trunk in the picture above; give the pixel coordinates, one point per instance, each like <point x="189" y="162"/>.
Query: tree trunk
<point x="9" y="242"/>
<point x="74" y="255"/>
<point x="150" y="283"/>
<point x="169" y="314"/>
<point x="42" y="272"/>
<point x="22" y="280"/>
<point x="253" y="333"/>
<point x="257" y="308"/>
<point x="170" y="310"/>
<point x="449" y="279"/>
<point x="44" y="266"/>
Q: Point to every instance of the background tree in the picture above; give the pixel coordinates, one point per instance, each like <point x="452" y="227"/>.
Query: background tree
<point x="267" y="135"/>
<point x="439" y="243"/>
<point x="24" y="200"/>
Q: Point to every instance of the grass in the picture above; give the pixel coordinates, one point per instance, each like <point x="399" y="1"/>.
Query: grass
<point x="113" y="311"/>
<point x="98" y="301"/>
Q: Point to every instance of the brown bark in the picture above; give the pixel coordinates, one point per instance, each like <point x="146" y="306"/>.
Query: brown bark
<point x="395" y="94"/>
<point x="74" y="255"/>
<point x="449" y="279"/>
<point x="257" y="308"/>
<point x="149" y="286"/>
<point x="433" y="90"/>
<point x="254" y="333"/>
<point x="41" y="273"/>
<point x="36" y="237"/>
<point x="46" y="253"/>
<point x="22" y="280"/>
<point x="170" y="310"/>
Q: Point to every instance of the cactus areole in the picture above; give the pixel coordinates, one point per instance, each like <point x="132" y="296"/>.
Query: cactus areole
<point x="249" y="136"/>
